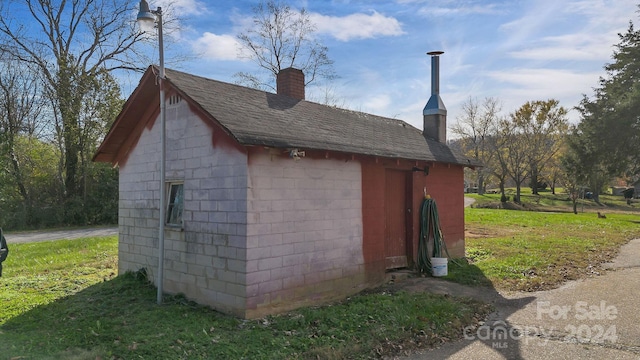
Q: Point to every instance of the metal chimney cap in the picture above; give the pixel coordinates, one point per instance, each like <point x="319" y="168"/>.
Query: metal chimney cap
<point x="435" y="53"/>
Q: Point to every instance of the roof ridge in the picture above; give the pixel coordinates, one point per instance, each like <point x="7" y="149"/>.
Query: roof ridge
<point x="256" y="117"/>
<point x="246" y="88"/>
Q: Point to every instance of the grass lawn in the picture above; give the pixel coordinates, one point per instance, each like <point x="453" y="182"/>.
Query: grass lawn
<point x="529" y="251"/>
<point x="62" y="300"/>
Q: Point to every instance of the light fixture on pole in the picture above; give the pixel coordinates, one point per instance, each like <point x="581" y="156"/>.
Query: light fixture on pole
<point x="149" y="17"/>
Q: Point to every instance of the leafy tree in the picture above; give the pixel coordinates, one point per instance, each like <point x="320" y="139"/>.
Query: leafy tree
<point x="282" y="37"/>
<point x="572" y="177"/>
<point x="32" y="201"/>
<point x="543" y="126"/>
<point x="528" y="138"/>
<point x="511" y="152"/>
<point x="20" y="108"/>
<point x="621" y="92"/>
<point x="71" y="44"/>
<point x="585" y="160"/>
<point x="552" y="172"/>
<point x="607" y="140"/>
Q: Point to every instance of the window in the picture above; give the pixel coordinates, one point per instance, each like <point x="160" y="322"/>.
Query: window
<point x="175" y="204"/>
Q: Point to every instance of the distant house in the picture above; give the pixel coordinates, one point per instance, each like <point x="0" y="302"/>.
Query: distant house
<point x="621" y="187"/>
<point x="274" y="202"/>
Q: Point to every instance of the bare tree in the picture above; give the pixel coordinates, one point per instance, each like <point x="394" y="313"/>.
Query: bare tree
<point x="70" y="43"/>
<point x="476" y="126"/>
<point x="511" y="153"/>
<point x="281" y="38"/>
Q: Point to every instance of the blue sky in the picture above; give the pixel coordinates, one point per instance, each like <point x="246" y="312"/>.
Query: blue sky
<point x="516" y="51"/>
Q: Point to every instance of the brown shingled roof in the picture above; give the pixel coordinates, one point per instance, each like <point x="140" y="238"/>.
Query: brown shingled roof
<point x="256" y="117"/>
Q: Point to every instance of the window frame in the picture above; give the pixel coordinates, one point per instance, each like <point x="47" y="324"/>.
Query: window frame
<point x="171" y="204"/>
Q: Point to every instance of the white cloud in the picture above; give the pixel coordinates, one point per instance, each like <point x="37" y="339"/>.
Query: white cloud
<point x="577" y="46"/>
<point x="587" y="30"/>
<point x="517" y="86"/>
<point x="377" y="104"/>
<point x="440" y="8"/>
<point x="539" y="15"/>
<point x="183" y="7"/>
<point x="217" y="47"/>
<point x="461" y="10"/>
<point x="357" y="26"/>
<point x="543" y="83"/>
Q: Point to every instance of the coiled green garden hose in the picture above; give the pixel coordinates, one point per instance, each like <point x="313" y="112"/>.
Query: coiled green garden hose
<point x="430" y="234"/>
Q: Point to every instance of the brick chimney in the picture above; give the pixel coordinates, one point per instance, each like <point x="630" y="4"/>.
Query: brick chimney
<point x="290" y="82"/>
<point x="434" y="114"/>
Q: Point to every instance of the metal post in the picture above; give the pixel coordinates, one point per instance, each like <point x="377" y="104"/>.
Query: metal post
<point x="163" y="146"/>
<point x="147" y="16"/>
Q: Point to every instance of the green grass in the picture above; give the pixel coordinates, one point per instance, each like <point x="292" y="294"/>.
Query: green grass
<point x="525" y="250"/>
<point x="38" y="273"/>
<point x="61" y="300"/>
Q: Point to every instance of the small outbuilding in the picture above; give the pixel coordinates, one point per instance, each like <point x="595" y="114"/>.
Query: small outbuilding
<point x="275" y="202"/>
<point x="636" y="189"/>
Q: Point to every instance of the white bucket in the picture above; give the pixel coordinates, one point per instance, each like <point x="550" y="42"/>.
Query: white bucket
<point x="439" y="266"/>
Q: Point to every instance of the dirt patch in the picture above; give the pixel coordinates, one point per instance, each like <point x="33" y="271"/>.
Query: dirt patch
<point x="478" y="234"/>
<point x="501" y="205"/>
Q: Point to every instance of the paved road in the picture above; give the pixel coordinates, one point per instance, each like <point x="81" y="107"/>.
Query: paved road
<point x="594" y="318"/>
<point x="35" y="236"/>
<point x="468" y="201"/>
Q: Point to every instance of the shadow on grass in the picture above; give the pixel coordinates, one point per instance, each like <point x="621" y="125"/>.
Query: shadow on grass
<point x="119" y="319"/>
<point x="496" y="332"/>
<point x="114" y="318"/>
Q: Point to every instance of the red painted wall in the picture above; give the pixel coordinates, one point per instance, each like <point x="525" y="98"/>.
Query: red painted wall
<point x="373" y="220"/>
<point x="445" y="184"/>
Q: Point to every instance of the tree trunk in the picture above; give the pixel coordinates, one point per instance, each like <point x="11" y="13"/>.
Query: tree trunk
<point x="70" y="81"/>
<point x="17" y="174"/>
<point x="71" y="167"/>
<point x="534" y="180"/>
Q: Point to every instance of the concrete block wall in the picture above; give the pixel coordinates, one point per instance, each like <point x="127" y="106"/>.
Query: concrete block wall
<point x="304" y="232"/>
<point x="206" y="258"/>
